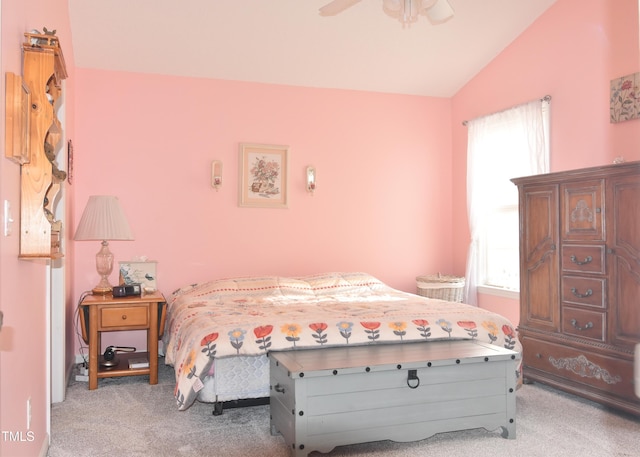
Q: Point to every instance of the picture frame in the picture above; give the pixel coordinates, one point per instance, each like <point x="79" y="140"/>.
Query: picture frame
<point x="624" y="99"/>
<point x="143" y="273"/>
<point x="264" y="175"/>
<point x="70" y="162"/>
<point x="17" y="106"/>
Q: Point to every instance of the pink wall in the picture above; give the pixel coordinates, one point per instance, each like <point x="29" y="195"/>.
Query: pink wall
<point x="383" y="161"/>
<point x="571" y="53"/>
<point x="380" y="206"/>
<point x="23" y="283"/>
<point x="391" y="169"/>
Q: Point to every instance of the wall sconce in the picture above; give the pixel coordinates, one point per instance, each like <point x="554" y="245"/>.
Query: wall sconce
<point x="311" y="179"/>
<point x="216" y="174"/>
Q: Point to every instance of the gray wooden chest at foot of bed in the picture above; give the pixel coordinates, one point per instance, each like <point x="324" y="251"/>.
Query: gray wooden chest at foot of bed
<point x="323" y="398"/>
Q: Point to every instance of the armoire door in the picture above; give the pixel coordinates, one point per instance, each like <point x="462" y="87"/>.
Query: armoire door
<point x="623" y="254"/>
<point x="539" y="258"/>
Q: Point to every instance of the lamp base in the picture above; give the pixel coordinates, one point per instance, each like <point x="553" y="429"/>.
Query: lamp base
<point x="104" y="266"/>
<point x="99" y="290"/>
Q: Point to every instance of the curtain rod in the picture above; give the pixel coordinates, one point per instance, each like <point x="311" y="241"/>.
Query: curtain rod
<point x="546" y="98"/>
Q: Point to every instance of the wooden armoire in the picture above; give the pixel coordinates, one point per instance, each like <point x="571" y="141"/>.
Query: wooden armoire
<point x="580" y="281"/>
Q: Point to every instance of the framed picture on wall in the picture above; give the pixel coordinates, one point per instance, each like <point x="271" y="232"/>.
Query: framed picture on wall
<point x="70" y="162"/>
<point x="264" y="174"/>
<point x="624" y="99"/>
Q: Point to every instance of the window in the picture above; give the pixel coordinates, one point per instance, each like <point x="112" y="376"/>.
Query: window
<point x="501" y="146"/>
<point x="501" y="259"/>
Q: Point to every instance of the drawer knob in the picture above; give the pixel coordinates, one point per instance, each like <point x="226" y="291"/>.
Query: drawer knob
<point x="278" y="388"/>
<point x="575" y="325"/>
<point x="575" y="292"/>
<point x="124" y="317"/>
<point x="587" y="260"/>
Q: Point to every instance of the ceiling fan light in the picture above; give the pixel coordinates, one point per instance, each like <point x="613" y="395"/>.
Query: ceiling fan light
<point x="406" y="11"/>
<point x="441" y="11"/>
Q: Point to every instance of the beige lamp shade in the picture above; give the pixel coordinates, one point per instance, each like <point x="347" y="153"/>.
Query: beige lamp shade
<point x="103" y="219"/>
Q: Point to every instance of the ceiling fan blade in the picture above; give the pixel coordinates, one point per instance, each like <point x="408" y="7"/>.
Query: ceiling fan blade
<point x="336" y="6"/>
<point x="441" y="11"/>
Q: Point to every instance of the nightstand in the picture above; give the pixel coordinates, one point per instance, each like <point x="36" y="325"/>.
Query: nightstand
<point x="105" y="313"/>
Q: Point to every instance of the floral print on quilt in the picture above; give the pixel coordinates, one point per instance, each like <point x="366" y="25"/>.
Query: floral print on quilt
<point x="252" y="316"/>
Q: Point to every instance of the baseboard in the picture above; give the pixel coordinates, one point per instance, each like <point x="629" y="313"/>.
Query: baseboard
<point x="44" y="450"/>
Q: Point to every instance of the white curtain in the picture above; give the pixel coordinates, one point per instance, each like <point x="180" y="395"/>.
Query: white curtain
<point x="501" y="146"/>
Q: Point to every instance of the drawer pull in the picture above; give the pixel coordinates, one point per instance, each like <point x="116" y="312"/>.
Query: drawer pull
<point x="124" y="317"/>
<point x="587" y="260"/>
<point x="588" y="293"/>
<point x="278" y="388"/>
<point x="575" y="325"/>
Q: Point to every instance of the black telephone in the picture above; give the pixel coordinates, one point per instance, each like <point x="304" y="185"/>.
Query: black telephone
<point x="109" y="358"/>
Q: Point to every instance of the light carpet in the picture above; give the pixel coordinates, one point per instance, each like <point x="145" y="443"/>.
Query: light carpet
<point x="127" y="416"/>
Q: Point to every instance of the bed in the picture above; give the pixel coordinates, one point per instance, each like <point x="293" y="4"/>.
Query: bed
<point x="219" y="333"/>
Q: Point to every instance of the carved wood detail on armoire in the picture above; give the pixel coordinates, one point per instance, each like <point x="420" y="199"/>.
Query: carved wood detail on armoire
<point x="580" y="281"/>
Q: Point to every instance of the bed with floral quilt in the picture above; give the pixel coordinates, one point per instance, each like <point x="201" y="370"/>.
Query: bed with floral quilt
<point x="219" y="333"/>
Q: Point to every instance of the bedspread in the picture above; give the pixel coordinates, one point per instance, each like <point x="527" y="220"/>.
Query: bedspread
<point x="252" y="316"/>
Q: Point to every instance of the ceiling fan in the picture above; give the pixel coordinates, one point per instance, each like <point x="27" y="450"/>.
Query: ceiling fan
<point x="406" y="11"/>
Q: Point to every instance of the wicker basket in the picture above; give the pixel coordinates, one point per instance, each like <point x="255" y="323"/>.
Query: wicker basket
<point x="442" y="287"/>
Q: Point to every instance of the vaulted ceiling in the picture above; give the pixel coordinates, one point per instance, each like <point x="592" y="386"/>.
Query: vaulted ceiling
<point x="288" y="42"/>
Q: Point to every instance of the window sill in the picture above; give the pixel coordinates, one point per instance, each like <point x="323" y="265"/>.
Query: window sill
<point x="498" y="292"/>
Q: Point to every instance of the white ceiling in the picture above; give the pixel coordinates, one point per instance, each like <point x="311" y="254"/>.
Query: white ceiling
<point x="288" y="42"/>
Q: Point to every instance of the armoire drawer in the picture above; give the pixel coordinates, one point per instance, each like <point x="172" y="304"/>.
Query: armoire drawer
<point x="605" y="373"/>
<point x="584" y="291"/>
<point x="583" y="323"/>
<point x="583" y="259"/>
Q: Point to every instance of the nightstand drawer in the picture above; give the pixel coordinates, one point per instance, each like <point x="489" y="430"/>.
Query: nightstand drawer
<point x="130" y="316"/>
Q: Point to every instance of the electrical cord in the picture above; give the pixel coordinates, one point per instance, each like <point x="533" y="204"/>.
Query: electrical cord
<point x="82" y="345"/>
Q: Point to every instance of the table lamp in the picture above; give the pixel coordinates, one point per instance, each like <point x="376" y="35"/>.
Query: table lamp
<point x="102" y="220"/>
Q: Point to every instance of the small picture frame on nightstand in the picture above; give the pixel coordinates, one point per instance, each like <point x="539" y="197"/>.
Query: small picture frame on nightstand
<point x="143" y="273"/>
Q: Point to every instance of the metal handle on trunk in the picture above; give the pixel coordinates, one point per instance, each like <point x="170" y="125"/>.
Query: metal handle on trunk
<point x="413" y="376"/>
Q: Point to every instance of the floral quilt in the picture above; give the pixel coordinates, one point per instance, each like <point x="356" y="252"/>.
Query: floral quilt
<point x="252" y="316"/>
